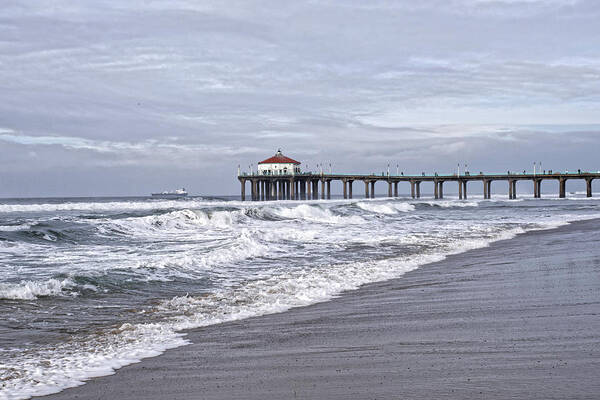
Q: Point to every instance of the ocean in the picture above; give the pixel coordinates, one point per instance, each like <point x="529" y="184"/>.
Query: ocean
<point x="93" y="284"/>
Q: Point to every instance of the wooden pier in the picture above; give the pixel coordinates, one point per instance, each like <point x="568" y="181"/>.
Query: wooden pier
<point x="306" y="186"/>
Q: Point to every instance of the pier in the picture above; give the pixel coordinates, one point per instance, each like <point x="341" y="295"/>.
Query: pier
<point x="307" y="186"/>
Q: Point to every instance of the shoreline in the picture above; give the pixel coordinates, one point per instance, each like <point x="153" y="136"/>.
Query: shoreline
<point x="340" y="347"/>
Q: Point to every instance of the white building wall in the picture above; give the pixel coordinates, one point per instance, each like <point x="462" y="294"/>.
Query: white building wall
<point x="278" y="169"/>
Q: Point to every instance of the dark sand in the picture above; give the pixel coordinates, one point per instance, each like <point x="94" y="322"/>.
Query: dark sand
<point x="519" y="319"/>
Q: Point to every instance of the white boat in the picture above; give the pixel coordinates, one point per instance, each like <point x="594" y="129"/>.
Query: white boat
<point x="173" y="194"/>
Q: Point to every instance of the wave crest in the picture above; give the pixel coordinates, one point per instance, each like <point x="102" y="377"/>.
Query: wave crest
<point x="386" y="208"/>
<point x="186" y="219"/>
<point x="31" y="290"/>
<point x="96" y="206"/>
<point x="314" y="213"/>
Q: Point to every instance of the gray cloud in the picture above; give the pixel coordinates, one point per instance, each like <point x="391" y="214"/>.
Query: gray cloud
<point x="124" y="97"/>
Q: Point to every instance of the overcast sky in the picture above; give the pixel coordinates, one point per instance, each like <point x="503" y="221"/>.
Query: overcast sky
<point x="113" y="97"/>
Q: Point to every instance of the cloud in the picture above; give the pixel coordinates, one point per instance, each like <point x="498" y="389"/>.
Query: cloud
<point x="144" y="152"/>
<point x="173" y="85"/>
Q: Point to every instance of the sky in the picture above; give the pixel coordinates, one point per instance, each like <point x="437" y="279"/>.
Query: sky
<point x="112" y="97"/>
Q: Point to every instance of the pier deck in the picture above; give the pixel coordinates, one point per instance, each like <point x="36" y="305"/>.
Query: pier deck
<point x="306" y="185"/>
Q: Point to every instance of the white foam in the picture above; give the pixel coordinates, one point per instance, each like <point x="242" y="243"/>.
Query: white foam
<point x="107" y="206"/>
<point x="451" y="203"/>
<point x="179" y="222"/>
<point x="72" y="363"/>
<point x="386" y="208"/>
<point x="315" y="213"/>
<point x="15" y="228"/>
<point x="31" y="290"/>
<point x="9" y="248"/>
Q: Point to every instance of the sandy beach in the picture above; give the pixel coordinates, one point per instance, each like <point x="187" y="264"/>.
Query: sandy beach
<point x="518" y="319"/>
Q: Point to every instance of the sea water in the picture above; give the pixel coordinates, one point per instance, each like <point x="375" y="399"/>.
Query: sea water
<point x="90" y="285"/>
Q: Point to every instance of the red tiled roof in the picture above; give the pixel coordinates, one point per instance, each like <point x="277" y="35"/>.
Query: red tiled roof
<point x="279" y="159"/>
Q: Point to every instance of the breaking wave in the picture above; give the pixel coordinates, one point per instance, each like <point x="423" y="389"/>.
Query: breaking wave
<point x="31" y="290"/>
<point x="185" y="219"/>
<point x="451" y="203"/>
<point x="102" y="206"/>
<point x="15" y="228"/>
<point x="314" y="213"/>
<point x="386" y="208"/>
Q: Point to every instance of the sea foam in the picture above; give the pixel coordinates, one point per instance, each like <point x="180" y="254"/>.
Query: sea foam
<point x="31" y="290"/>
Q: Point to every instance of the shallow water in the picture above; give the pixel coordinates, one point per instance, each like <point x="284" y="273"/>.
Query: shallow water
<point x="90" y="285"/>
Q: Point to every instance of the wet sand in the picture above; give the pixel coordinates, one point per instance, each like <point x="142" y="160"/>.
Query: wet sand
<point x="519" y="319"/>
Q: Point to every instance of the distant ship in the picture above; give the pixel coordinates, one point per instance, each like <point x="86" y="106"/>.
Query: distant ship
<point x="174" y="194"/>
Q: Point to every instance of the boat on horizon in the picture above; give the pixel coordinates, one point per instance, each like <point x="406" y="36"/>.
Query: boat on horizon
<point x="171" y="194"/>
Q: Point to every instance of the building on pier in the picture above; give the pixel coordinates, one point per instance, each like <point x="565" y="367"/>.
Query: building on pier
<point x="279" y="165"/>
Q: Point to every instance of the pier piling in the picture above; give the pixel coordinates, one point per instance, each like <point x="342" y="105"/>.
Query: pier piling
<point x="512" y="189"/>
<point x="262" y="190"/>
<point x="487" y="187"/>
<point x="305" y="186"/>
